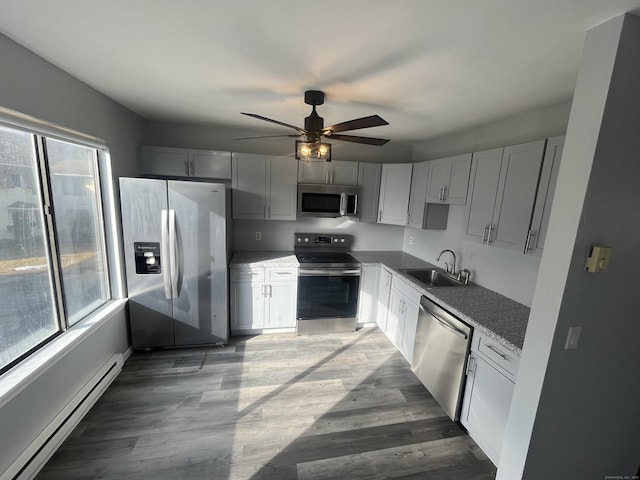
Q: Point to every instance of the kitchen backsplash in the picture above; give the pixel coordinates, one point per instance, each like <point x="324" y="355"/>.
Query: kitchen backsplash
<point x="278" y="235"/>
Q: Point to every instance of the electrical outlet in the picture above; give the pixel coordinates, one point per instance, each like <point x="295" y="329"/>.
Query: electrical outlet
<point x="410" y="240"/>
<point x="573" y="336"/>
<point x="258" y="235"/>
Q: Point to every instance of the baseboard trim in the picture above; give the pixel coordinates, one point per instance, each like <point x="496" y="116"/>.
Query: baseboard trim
<point x="36" y="455"/>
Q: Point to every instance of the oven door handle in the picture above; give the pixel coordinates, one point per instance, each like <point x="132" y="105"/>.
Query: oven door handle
<point x="321" y="272"/>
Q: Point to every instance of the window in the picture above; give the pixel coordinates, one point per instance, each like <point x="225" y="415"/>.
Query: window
<point x="53" y="268"/>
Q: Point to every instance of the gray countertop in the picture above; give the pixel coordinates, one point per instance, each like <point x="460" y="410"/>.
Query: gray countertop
<point x="487" y="311"/>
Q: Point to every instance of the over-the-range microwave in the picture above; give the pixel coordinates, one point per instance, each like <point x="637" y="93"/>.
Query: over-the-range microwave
<point x="317" y="200"/>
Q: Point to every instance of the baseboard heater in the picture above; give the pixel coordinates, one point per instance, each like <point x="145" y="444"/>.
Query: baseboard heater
<point x="31" y="461"/>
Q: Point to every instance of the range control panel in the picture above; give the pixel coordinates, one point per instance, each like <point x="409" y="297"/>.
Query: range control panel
<point x="321" y="240"/>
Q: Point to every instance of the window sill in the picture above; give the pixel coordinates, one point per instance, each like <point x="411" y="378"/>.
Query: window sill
<point x="23" y="374"/>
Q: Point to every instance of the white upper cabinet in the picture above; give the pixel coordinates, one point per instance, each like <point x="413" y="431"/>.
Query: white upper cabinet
<point x="368" y="191"/>
<point x="417" y="195"/>
<point x="449" y="180"/>
<point x="394" y="193"/>
<point x="264" y="187"/>
<point x="546" y="189"/>
<point x="332" y="173"/>
<point x="502" y="194"/>
<point x="182" y="162"/>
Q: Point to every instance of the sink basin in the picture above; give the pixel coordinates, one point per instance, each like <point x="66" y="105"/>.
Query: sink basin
<point x="433" y="277"/>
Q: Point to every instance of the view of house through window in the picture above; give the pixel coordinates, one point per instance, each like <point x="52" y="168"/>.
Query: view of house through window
<point x="33" y="249"/>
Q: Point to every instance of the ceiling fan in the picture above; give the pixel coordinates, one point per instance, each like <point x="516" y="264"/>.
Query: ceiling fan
<point x="314" y="128"/>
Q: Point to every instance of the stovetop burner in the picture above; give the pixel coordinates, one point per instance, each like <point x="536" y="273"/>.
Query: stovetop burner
<point x="322" y="250"/>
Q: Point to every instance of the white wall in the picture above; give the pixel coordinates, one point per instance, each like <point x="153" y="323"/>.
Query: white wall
<point x="505" y="271"/>
<point x="575" y="412"/>
<point x="278" y="235"/>
<point x="32" y="86"/>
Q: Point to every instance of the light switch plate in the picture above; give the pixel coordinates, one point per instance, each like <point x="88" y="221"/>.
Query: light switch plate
<point x="572" y="338"/>
<point x="598" y="259"/>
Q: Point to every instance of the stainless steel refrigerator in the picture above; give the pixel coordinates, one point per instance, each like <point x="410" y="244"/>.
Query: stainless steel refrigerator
<point x="175" y="248"/>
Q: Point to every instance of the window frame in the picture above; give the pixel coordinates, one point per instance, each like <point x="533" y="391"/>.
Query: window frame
<point x="108" y="231"/>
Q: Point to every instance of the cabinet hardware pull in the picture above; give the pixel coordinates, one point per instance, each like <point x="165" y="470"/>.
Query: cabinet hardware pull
<point x="489" y="234"/>
<point x="527" y="245"/>
<point x="192" y="168"/>
<point x="484" y="234"/>
<point x="444" y="193"/>
<point x="186" y="167"/>
<point x="379" y="215"/>
<point x="496" y="351"/>
<point x="471" y="364"/>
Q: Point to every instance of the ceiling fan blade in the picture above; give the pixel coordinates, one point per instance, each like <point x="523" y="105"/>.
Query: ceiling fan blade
<point x="260" y="117"/>
<point x="366" y="140"/>
<point x="364" y="122"/>
<point x="269" y="136"/>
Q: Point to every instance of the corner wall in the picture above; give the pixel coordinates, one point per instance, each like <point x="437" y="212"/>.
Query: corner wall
<point x="32" y="86"/>
<point x="575" y="412"/>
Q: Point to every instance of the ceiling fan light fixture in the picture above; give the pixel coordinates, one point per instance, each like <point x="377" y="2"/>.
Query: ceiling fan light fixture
<point x="313" y="151"/>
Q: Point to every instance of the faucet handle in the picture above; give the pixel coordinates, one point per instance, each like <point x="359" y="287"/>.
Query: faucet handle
<point x="466" y="274"/>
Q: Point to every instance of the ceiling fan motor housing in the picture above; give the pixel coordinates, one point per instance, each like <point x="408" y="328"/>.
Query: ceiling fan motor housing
<point x="314" y="97"/>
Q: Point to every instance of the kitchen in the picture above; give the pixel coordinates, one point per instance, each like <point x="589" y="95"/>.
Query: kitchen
<point x="552" y="118"/>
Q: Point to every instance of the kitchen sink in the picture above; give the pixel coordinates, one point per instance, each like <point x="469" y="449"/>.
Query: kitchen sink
<point x="433" y="277"/>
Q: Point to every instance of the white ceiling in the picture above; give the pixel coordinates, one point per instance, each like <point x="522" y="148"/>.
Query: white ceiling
<point x="429" y="67"/>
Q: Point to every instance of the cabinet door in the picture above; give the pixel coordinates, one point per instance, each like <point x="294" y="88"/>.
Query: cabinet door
<point x="546" y="190"/>
<point x="282" y="303"/>
<point x="519" y="175"/>
<point x="171" y="162"/>
<point x="368" y="191"/>
<point x="367" y="299"/>
<point x="438" y="178"/>
<point x="249" y="186"/>
<point x="313" y="172"/>
<point x="395" y="318"/>
<point x="417" y="197"/>
<point x="282" y="188"/>
<point x="247" y="305"/>
<point x="395" y="185"/>
<point x="483" y="187"/>
<point x="486" y="406"/>
<point x="411" y="311"/>
<point x="458" y="184"/>
<point x="210" y="164"/>
<point x="343" y="173"/>
<point x="382" y="305"/>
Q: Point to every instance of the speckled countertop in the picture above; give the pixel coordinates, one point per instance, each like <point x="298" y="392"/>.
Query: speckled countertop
<point x="493" y="314"/>
<point x="266" y="259"/>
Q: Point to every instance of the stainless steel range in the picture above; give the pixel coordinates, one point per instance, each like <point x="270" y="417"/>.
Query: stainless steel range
<point x="328" y="283"/>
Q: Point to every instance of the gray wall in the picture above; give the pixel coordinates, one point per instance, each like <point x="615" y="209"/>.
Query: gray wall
<point x="575" y="412"/>
<point x="505" y="271"/>
<point x="166" y="134"/>
<point x="278" y="235"/>
<point x="33" y="86"/>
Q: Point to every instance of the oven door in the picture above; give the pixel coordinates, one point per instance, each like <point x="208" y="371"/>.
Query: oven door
<point x="327" y="294"/>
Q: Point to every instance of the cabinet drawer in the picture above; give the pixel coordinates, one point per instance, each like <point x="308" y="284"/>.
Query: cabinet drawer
<point x="405" y="289"/>
<point x="247" y="274"/>
<point x="497" y="355"/>
<point x="281" y="274"/>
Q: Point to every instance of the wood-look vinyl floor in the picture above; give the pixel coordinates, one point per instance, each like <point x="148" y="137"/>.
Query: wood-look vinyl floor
<point x="340" y="406"/>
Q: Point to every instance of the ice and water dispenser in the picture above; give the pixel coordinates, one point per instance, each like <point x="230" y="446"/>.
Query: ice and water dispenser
<point x="147" y="257"/>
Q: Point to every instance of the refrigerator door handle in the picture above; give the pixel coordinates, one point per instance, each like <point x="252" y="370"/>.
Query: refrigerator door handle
<point x="164" y="254"/>
<point x="172" y="252"/>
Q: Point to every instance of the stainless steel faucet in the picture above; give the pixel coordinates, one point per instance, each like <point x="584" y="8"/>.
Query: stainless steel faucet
<point x="452" y="271"/>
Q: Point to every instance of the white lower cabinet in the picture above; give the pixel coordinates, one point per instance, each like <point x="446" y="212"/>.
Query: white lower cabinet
<point x="489" y="388"/>
<point x="402" y="316"/>
<point x="368" y="295"/>
<point x="382" y="303"/>
<point x="262" y="298"/>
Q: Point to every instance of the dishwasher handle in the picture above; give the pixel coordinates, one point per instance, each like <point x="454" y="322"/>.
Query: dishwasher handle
<point x="444" y="324"/>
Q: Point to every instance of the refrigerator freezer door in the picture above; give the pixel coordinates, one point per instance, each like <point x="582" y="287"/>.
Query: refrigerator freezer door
<point x="198" y="246"/>
<point x="144" y="214"/>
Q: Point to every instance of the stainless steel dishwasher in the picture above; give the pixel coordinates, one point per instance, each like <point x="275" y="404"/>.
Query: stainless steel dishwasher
<point x="440" y="355"/>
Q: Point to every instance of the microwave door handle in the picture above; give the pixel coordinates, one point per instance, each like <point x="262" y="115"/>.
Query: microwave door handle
<point x="355" y="204"/>
<point x="343" y="201"/>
